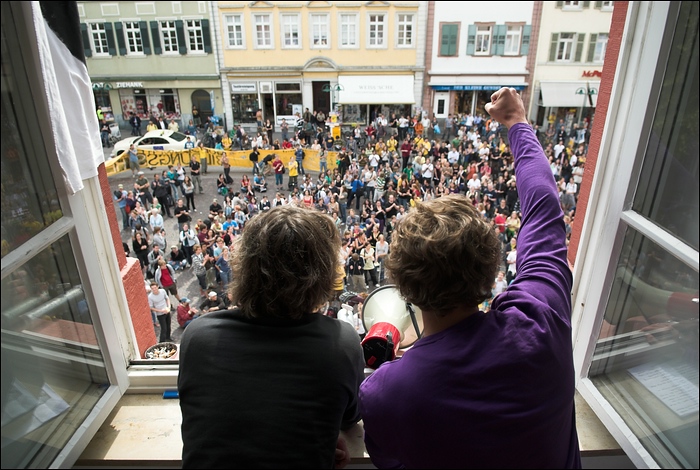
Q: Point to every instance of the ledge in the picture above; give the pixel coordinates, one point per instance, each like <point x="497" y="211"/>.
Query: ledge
<point x="144" y="431"/>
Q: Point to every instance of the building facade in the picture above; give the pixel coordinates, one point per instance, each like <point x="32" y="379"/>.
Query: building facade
<point x="571" y="49"/>
<point x="350" y="60"/>
<point x="152" y="59"/>
<point x="475" y="50"/>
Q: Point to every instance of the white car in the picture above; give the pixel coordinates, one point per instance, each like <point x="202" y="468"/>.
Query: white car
<point x="153" y="140"/>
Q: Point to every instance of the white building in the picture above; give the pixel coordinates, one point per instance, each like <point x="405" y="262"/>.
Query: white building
<point x="475" y="48"/>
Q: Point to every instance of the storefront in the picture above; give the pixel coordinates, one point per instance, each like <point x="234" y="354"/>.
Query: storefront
<point x="362" y="98"/>
<point x="276" y="99"/>
<point x="572" y="101"/>
<point x="158" y="98"/>
<point x="146" y="102"/>
<point x="465" y="99"/>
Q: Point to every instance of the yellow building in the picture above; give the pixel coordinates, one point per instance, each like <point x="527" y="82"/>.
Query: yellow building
<point x="355" y="58"/>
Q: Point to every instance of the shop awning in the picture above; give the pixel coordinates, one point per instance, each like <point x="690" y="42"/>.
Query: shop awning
<point x="569" y="94"/>
<point x="376" y="89"/>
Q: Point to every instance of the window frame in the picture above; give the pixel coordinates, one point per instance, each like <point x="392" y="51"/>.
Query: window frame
<point x="572" y="48"/>
<point x="479" y="34"/>
<point x="270" y="25"/>
<point x="380" y="32"/>
<point x="231" y="24"/>
<point x="520" y="27"/>
<point x="327" y="27"/>
<point x="355" y="26"/>
<point x="572" y="6"/>
<point x="83" y="212"/>
<point x="191" y="47"/>
<point x="407" y="26"/>
<point x="603" y="48"/>
<point x="128" y="27"/>
<point x="92" y="33"/>
<point x="162" y="31"/>
<point x="283" y="33"/>
<point x="633" y="104"/>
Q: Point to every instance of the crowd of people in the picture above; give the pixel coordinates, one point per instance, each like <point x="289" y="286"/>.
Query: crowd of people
<point x="402" y="162"/>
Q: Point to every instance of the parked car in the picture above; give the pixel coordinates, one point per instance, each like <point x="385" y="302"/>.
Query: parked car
<point x="153" y="140"/>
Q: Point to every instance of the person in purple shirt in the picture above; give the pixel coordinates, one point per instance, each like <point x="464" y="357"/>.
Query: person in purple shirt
<point x="480" y="390"/>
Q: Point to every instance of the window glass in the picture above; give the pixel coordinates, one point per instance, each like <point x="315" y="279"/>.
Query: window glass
<point x="169" y="36"/>
<point x="132" y="32"/>
<point x="348" y="30"/>
<point x="645" y="360"/>
<point x="376" y="30"/>
<point x="319" y="30"/>
<point x="263" y="30"/>
<point x="671" y="160"/>
<point x="195" y="38"/>
<point x="565" y="47"/>
<point x="29" y="198"/>
<point x="601" y="46"/>
<point x="99" y="39"/>
<point x="53" y="370"/>
<point x="483" y="40"/>
<point x="290" y="30"/>
<point x="405" y="30"/>
<point x="234" y="29"/>
<point x="512" y="46"/>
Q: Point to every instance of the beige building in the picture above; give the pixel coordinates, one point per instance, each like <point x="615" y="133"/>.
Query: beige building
<point x="571" y="49"/>
<point x="354" y="58"/>
<point x="151" y="58"/>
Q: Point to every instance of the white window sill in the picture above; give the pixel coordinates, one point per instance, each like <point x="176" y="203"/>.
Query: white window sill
<point x="143" y="430"/>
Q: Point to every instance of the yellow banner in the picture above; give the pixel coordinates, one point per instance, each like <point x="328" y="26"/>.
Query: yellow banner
<point x="237" y="158"/>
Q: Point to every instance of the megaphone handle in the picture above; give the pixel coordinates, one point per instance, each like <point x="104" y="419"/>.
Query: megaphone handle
<point x="414" y="320"/>
<point x="389" y="351"/>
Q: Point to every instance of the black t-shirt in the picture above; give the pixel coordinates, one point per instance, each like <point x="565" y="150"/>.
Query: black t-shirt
<point x="195" y="167"/>
<point x="318" y="356"/>
<point x="215" y="208"/>
<point x="181" y="214"/>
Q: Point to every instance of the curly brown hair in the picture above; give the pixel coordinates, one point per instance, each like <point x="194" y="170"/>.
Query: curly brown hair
<point x="285" y="263"/>
<point x="444" y="255"/>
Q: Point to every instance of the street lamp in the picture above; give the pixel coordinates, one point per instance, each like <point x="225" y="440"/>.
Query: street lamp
<point x="332" y="89"/>
<point x="587" y="93"/>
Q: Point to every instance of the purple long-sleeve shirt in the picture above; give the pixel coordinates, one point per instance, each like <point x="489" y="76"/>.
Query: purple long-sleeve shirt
<point x="497" y="389"/>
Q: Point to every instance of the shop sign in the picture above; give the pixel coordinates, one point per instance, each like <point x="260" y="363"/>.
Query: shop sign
<point x="243" y="88"/>
<point x="474" y="87"/>
<point x="592" y="73"/>
<point x="129" y="84"/>
<point x="101" y="86"/>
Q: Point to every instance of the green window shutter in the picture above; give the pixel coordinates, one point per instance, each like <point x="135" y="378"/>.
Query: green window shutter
<point x="586" y="4"/>
<point x="591" y="47"/>
<point x="87" y="50"/>
<point x="206" y="36"/>
<point x="560" y="4"/>
<point x="119" y="31"/>
<point x="525" y="45"/>
<point x="111" y="44"/>
<point x="471" y="39"/>
<point x="498" y="45"/>
<point x="599" y="5"/>
<point x="553" y="47"/>
<point x="448" y="41"/>
<point x="580" y="38"/>
<point x="155" y="33"/>
<point x="180" y="29"/>
<point x="143" y="26"/>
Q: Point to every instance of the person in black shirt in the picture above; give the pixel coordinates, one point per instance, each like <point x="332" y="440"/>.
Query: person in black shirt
<point x="182" y="214"/>
<point x="195" y="172"/>
<point x="161" y="190"/>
